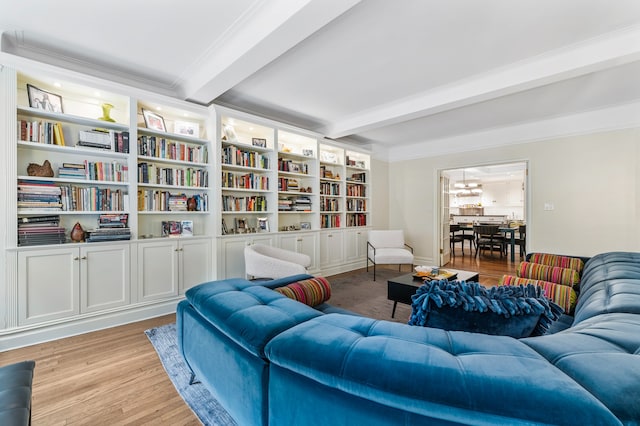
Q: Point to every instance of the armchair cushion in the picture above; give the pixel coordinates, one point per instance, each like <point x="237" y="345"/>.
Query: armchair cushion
<point x="387" y="239"/>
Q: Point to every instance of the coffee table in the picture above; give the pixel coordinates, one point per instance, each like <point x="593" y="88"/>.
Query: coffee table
<point x="400" y="289"/>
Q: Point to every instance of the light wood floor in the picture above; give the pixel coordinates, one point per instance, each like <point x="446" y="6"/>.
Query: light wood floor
<point x="114" y="377"/>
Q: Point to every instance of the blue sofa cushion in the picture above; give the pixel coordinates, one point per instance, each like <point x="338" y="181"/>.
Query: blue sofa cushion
<point x="249" y="314"/>
<point x="516" y="311"/>
<point x="602" y="354"/>
<point x="436" y="373"/>
<point x="610" y="283"/>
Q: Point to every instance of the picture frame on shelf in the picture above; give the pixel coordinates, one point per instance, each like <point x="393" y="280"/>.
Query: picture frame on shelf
<point x="308" y="152"/>
<point x="153" y="121"/>
<point x="187" y="228"/>
<point x="259" y="142"/>
<point x="41" y="99"/>
<point x="187" y="128"/>
<point x="225" y="231"/>
<point x="241" y="225"/>
<point x="171" y="228"/>
<point x="305" y="225"/>
<point x="328" y="157"/>
<point x="263" y="224"/>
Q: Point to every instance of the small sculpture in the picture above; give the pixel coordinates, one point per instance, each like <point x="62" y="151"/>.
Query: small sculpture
<point x="191" y="204"/>
<point x="77" y="233"/>
<point x="43" y="170"/>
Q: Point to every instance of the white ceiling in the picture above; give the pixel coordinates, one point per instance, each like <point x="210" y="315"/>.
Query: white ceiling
<point x="408" y="77"/>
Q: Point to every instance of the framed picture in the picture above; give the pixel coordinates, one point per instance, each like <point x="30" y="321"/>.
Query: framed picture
<point x="294" y="167"/>
<point x="241" y="225"/>
<point x="328" y="157"/>
<point x="262" y="143"/>
<point x="41" y="99"/>
<point x="225" y="231"/>
<point x="305" y="225"/>
<point x="307" y="152"/>
<point x="187" y="228"/>
<point x="186" y="128"/>
<point x="263" y="224"/>
<point x="171" y="228"/>
<point x="153" y="120"/>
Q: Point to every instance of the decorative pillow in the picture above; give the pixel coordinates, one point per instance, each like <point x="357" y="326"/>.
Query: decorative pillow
<point x="574" y="263"/>
<point x="312" y="292"/>
<point x="563" y="295"/>
<point x="554" y="274"/>
<point x="516" y="311"/>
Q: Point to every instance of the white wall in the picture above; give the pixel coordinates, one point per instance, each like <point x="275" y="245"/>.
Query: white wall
<point x="593" y="182"/>
<point x="380" y="188"/>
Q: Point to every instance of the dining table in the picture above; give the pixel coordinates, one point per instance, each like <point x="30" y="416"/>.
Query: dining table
<point x="509" y="232"/>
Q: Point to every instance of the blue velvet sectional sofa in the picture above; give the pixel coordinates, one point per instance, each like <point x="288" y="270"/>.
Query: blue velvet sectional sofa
<point x="271" y="360"/>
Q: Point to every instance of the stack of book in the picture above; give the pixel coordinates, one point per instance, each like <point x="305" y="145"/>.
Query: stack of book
<point x="72" y="170"/>
<point x="38" y="194"/>
<point x="284" y="204"/>
<point x="38" y="230"/>
<point x="302" y="204"/>
<point x="111" y="227"/>
<point x="177" y="203"/>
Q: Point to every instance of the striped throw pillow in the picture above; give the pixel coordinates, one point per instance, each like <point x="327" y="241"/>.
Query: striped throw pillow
<point x="554" y="274"/>
<point x="567" y="262"/>
<point x="312" y="292"/>
<point x="563" y="295"/>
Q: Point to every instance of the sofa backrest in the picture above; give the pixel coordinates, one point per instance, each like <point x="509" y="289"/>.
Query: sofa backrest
<point x="610" y="284"/>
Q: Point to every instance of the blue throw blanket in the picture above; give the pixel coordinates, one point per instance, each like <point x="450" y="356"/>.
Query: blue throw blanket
<point x="471" y="297"/>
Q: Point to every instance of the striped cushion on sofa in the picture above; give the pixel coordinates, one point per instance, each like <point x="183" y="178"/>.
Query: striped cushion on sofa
<point x="567" y="262"/>
<point x="554" y="274"/>
<point x="563" y="295"/>
<point x="312" y="292"/>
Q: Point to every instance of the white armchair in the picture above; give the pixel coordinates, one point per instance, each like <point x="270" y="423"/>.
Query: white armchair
<point x="388" y="247"/>
<point x="263" y="261"/>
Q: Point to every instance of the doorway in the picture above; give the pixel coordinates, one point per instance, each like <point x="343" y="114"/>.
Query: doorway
<point x="492" y="193"/>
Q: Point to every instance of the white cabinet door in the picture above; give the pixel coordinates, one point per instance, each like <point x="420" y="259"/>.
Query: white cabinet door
<point x="232" y="253"/>
<point x="48" y="284"/>
<point x="356" y="245"/>
<point x="157" y="269"/>
<point x="104" y="276"/>
<point x="331" y="248"/>
<point x="195" y="263"/>
<point x="306" y="243"/>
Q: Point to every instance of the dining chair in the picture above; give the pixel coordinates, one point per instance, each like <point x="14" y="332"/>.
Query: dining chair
<point x="521" y="240"/>
<point x="489" y="237"/>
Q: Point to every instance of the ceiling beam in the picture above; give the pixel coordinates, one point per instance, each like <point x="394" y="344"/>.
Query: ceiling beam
<point x="267" y="31"/>
<point x="610" y="50"/>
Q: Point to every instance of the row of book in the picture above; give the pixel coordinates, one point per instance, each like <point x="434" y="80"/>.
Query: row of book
<point x="152" y="146"/>
<point x="234" y="156"/>
<point x="255" y="203"/>
<point x="104" y="139"/>
<point x="329" y="205"/>
<point x="39" y="230"/>
<point x="356" y="205"/>
<point x="329" y="221"/>
<point x="92" y="198"/>
<point x="40" y="131"/>
<point x="327" y="188"/>
<point x="355" y="190"/>
<point x="95" y="170"/>
<point x="245" y="181"/>
<point x="356" y="219"/>
<point x="155" y="175"/>
<point x="150" y="200"/>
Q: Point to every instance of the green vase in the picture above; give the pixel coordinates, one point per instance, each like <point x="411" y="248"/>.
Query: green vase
<point x="106" y="109"/>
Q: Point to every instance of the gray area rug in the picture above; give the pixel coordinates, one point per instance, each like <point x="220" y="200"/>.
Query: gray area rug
<point x="355" y="291"/>
<point x="197" y="397"/>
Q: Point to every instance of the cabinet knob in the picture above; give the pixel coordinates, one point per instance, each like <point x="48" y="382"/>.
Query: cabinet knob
<point x="76" y="258"/>
<point x="299" y="240"/>
<point x="330" y="235"/>
<point x="84" y="257"/>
